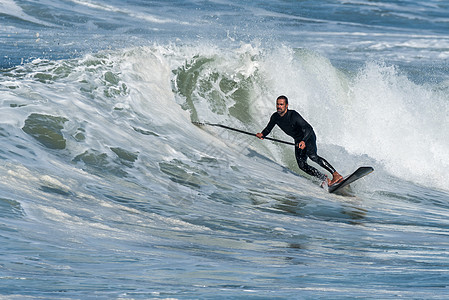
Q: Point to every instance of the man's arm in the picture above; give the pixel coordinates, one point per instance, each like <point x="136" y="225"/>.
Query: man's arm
<point x="267" y="129"/>
<point x="305" y="127"/>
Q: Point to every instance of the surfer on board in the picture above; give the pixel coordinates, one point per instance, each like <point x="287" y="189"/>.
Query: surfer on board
<point x="291" y="122"/>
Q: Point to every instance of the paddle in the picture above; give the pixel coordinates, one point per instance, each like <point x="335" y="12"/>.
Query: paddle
<point x="241" y="131"/>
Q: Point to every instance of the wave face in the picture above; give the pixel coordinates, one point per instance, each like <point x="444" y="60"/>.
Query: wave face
<point x="109" y="188"/>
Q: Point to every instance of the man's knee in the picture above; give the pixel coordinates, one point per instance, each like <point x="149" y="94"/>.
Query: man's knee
<point x="314" y="157"/>
<point x="301" y="163"/>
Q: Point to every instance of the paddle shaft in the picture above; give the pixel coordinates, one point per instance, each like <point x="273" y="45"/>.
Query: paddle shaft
<point x="242" y="131"/>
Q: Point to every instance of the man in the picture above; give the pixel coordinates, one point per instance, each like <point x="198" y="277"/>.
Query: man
<point x="295" y="126"/>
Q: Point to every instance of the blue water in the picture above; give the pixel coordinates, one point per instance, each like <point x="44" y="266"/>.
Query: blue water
<point x="108" y="190"/>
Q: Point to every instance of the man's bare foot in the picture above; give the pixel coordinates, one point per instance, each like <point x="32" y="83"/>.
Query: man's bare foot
<point x="336" y="178"/>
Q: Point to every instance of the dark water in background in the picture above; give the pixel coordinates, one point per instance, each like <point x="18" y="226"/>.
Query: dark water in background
<point x="109" y="191"/>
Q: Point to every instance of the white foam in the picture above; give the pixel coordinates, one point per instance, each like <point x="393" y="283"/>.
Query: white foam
<point x="397" y="122"/>
<point x="143" y="16"/>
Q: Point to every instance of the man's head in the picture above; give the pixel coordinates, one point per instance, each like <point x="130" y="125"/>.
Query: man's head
<point x="281" y="105"/>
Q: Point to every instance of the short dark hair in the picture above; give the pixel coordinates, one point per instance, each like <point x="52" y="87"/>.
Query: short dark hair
<point x="283" y="97"/>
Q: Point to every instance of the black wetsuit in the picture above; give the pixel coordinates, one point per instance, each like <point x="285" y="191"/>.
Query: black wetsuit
<point x="295" y="126"/>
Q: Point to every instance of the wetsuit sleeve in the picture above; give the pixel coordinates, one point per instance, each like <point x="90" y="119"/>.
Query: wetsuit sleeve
<point x="269" y="126"/>
<point x="307" y="130"/>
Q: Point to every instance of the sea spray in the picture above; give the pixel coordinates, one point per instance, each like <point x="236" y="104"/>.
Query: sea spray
<point x="401" y="122"/>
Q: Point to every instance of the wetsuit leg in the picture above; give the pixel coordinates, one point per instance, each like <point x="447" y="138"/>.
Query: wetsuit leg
<point x="311" y="151"/>
<point x="322" y="162"/>
<point x="301" y="159"/>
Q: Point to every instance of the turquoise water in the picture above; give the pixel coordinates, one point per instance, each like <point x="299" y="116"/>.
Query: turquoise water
<point x="109" y="191"/>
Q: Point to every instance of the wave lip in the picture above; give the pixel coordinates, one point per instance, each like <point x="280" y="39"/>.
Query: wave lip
<point x="11" y="8"/>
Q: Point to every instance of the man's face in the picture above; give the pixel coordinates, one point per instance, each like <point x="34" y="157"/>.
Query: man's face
<point x="281" y="106"/>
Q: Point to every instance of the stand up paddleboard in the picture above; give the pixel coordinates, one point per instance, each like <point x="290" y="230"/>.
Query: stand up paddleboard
<point x="359" y="173"/>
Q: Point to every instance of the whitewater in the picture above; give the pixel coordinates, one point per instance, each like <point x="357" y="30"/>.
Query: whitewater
<point x="109" y="190"/>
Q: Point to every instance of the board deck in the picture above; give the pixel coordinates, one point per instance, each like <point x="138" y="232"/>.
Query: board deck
<point x="359" y="173"/>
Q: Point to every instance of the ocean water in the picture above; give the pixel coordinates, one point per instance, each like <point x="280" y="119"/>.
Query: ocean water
<point x="108" y="191"/>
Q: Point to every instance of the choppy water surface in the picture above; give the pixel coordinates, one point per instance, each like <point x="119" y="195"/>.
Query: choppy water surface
<point x="109" y="191"/>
